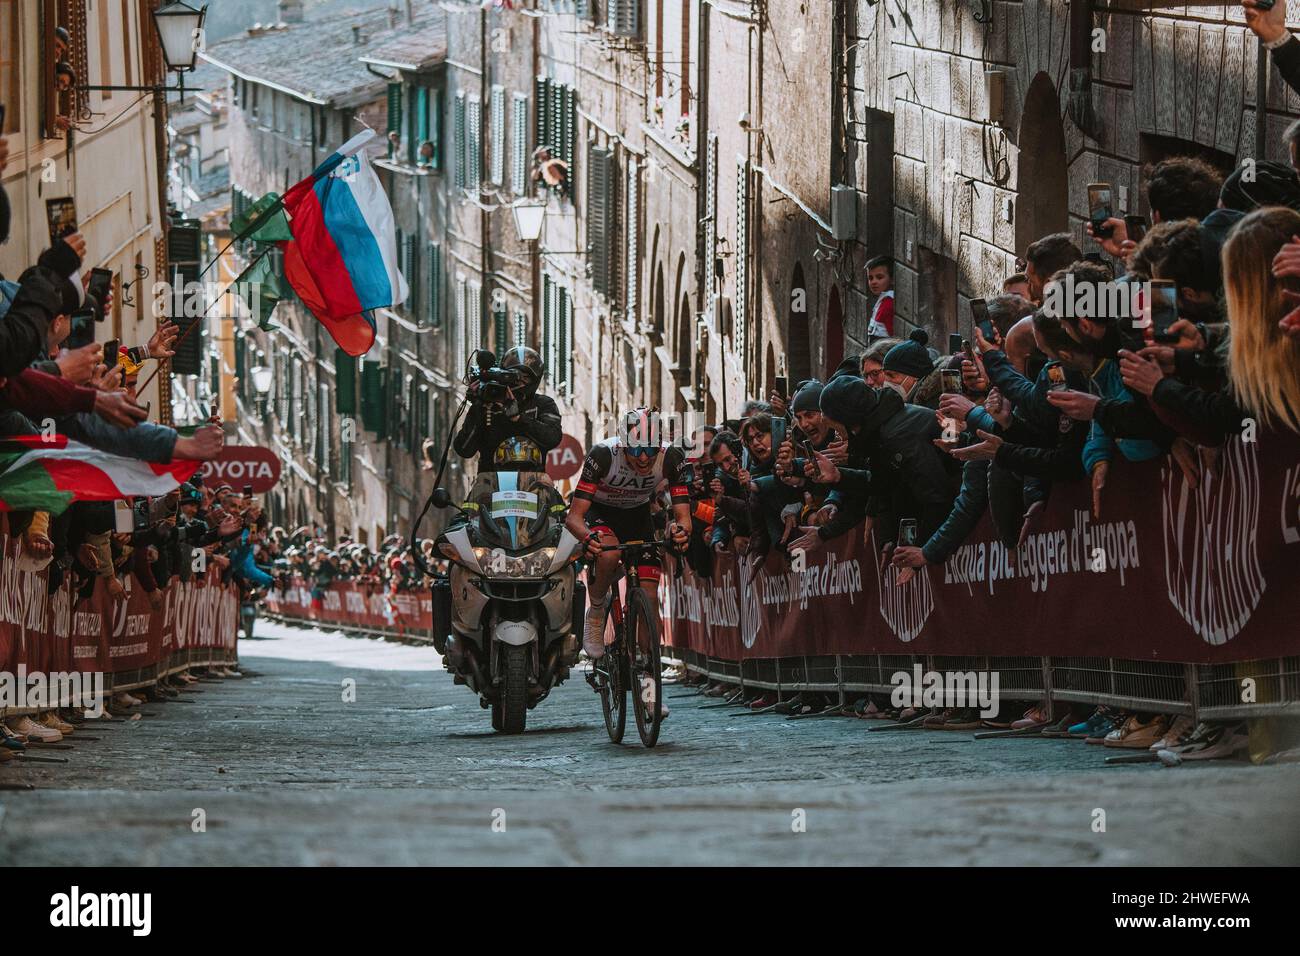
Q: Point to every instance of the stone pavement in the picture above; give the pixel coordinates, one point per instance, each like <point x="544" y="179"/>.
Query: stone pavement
<point x="286" y="772"/>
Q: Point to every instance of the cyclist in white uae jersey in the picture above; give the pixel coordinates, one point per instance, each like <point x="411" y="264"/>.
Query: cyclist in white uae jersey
<point x="612" y="504"/>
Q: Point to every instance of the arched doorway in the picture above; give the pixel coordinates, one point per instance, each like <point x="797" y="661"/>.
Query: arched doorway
<point x="834" y="353"/>
<point x="799" y="352"/>
<point x="685" y="354"/>
<point x="1043" y="206"/>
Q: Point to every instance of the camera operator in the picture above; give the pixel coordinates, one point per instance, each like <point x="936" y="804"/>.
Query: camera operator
<point x="509" y="426"/>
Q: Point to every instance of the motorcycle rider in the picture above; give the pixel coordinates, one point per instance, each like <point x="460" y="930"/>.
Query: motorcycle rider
<point x="514" y="435"/>
<point x="612" y="503"/>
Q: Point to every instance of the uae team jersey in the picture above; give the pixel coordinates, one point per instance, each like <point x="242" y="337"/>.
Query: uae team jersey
<point x="611" y="481"/>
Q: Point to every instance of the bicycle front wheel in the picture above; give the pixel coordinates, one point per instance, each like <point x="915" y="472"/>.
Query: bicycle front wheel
<point x="613" y="688"/>
<point x="642" y="641"/>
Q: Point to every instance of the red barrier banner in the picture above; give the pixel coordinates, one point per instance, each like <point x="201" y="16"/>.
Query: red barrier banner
<point x="1167" y="572"/>
<point x="49" y="633"/>
<point x="356" y="604"/>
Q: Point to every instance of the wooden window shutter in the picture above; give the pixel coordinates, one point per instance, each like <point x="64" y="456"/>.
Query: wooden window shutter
<point x="519" y="146"/>
<point x="600" y="217"/>
<point x="497" y="135"/>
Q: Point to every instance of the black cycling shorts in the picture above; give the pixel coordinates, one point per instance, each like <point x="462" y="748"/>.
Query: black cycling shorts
<point x="626" y="524"/>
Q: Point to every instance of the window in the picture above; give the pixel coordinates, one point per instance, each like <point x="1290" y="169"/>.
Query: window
<point x="632" y="235"/>
<point x="345" y="383"/>
<point x="295" y="400"/>
<point x="461" y="338"/>
<point x="623" y="17"/>
<point x="497" y="136"/>
<point x="521" y="327"/>
<point x="435" y="285"/>
<point x="500" y="327"/>
<point x="601" y="173"/>
<point x="710" y="216"/>
<point x="473" y="144"/>
<point x="557" y="333"/>
<point x="458" y="137"/>
<point x="325" y="433"/>
<point x="742" y="255"/>
<point x="410" y="251"/>
<point x="474" y="316"/>
<point x="519" y="146"/>
<point x="556" y="120"/>
<point x="394" y="111"/>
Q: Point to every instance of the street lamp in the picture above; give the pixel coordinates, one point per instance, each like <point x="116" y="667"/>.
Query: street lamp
<point x="529" y="215"/>
<point x="180" y="34"/>
<point x="262" y="376"/>
<point x="179" y="28"/>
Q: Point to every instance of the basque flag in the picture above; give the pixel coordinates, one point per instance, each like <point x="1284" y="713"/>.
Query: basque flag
<point x="342" y="260"/>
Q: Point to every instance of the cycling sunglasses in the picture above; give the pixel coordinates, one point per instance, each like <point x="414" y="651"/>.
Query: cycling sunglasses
<point x="643" y="451"/>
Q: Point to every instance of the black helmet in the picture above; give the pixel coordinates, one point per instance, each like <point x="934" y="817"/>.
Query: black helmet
<point x="528" y="361"/>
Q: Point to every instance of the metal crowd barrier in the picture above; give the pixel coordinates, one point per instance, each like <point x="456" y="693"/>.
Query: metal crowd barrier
<point x="1203" y="691"/>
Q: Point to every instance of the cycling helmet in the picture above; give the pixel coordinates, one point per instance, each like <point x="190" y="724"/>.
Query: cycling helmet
<point x="641" y="428"/>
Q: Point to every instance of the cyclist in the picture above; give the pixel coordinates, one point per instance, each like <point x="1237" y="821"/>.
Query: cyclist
<point x="612" y="503"/>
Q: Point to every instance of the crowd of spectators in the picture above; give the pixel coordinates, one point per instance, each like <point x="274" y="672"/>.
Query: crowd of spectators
<point x="911" y="447"/>
<point x="56" y="381"/>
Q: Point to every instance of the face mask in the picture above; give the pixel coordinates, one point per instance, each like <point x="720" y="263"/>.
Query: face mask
<point x="898" y="388"/>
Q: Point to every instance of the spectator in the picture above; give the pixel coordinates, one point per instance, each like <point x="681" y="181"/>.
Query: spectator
<point x="880" y="282"/>
<point x="1044" y="258"/>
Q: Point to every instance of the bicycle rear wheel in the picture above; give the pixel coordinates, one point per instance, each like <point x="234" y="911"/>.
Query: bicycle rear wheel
<point x="642" y="641"/>
<point x="613" y="688"/>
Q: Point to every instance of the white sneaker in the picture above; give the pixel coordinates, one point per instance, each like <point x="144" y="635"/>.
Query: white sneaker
<point x="593" y="634"/>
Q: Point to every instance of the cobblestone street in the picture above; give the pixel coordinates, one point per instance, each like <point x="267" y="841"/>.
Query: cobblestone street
<point x="411" y="773"/>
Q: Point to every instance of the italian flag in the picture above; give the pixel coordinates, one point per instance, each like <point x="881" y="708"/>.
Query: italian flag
<point x="48" y="474"/>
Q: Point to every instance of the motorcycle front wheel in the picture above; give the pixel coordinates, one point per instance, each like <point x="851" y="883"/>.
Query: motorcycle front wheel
<point x="510" y="709"/>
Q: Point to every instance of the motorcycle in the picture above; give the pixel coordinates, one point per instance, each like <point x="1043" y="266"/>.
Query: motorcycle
<point x="508" y="614"/>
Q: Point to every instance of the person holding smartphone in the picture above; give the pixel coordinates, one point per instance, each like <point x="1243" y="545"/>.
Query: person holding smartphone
<point x="1267" y="20"/>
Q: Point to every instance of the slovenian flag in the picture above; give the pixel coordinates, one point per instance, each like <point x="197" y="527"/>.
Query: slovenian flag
<point x="48" y="474"/>
<point x="342" y="260"/>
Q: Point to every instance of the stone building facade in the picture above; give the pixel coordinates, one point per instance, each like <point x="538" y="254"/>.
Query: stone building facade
<point x="726" y="170"/>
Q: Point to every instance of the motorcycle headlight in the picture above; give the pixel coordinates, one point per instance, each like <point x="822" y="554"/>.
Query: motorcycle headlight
<point x="535" y="564"/>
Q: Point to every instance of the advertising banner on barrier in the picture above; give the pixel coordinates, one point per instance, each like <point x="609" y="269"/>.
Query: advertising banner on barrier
<point x="355" y="603"/>
<point x="1167" y="572"/>
<point x="49" y="633"/>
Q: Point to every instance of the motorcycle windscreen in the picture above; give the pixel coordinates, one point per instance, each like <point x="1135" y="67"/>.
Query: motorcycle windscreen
<point x="517" y="510"/>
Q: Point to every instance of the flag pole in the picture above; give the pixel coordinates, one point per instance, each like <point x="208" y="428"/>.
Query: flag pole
<point x="224" y="292"/>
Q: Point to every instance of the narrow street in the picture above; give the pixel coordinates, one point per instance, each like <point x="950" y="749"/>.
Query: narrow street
<point x="411" y="773"/>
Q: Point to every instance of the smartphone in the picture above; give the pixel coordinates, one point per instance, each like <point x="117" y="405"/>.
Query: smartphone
<point x="1101" y="206"/>
<point x="248" y="491"/>
<point x="806" y="447"/>
<point x="61" y="217"/>
<point x="140" y="515"/>
<point x="979" y="313"/>
<point x="123" y="517"/>
<point x="951" y="380"/>
<point x="1136" y="226"/>
<point x="82" y="331"/>
<point x="778" y="431"/>
<point x="1164" y="308"/>
<point x="781" y="385"/>
<point x="2" y="119"/>
<point x="954" y="343"/>
<point x="111" y="349"/>
<point x="1056" y="378"/>
<point x="907" y="533"/>
<point x="101" y="280"/>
